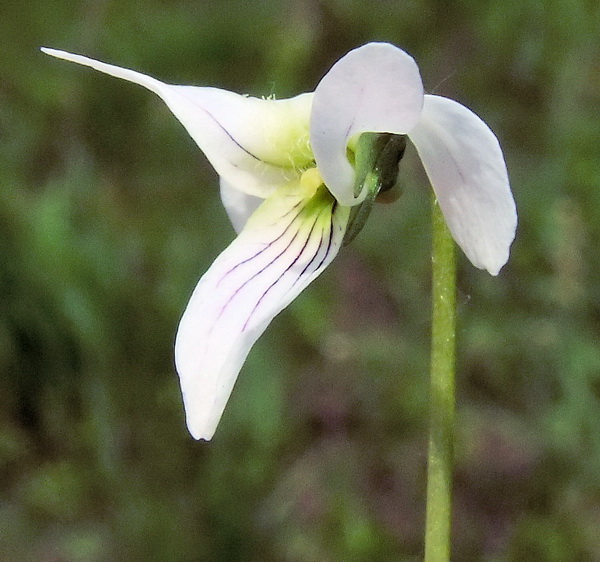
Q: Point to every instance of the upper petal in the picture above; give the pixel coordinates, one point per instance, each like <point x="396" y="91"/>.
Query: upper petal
<point x="465" y="165"/>
<point x="285" y="244"/>
<point x="255" y="144"/>
<point x="375" y="88"/>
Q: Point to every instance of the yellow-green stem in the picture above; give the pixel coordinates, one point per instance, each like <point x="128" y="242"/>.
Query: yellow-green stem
<point x="441" y="399"/>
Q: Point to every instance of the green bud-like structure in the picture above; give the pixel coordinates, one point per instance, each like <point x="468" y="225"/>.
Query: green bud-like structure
<point x="376" y="161"/>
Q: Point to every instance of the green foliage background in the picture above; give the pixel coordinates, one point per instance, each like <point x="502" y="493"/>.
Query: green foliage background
<point x="109" y="214"/>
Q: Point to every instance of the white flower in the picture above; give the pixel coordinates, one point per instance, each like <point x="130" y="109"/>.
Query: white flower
<point x="288" y="185"/>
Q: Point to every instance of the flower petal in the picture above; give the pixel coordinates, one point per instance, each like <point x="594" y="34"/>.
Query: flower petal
<point x="465" y="165"/>
<point x="285" y="244"/>
<point x="239" y="205"/>
<point x="255" y="144"/>
<point x="375" y="88"/>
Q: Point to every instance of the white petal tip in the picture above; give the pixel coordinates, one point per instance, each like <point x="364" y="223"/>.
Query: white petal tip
<point x="118" y="72"/>
<point x="201" y="436"/>
<point x="57" y="53"/>
<point x="64" y="55"/>
<point x="200" y="428"/>
<point x="493" y="263"/>
<point x="200" y="416"/>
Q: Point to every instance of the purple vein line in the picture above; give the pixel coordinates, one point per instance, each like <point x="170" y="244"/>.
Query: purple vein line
<point x="267" y="246"/>
<point x="295" y="260"/>
<point x="236" y="292"/>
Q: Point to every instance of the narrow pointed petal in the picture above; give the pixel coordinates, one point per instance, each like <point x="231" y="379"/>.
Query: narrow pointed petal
<point x="255" y="144"/>
<point x="375" y="88"/>
<point x="239" y="205"/>
<point x="465" y="165"/>
<point x="285" y="244"/>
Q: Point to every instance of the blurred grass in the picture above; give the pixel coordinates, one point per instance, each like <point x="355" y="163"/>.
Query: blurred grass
<point x="109" y="214"/>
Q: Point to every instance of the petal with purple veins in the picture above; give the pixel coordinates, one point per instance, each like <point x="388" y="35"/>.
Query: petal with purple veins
<point x="284" y="246"/>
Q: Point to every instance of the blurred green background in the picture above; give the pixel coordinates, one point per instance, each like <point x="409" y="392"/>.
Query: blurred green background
<point x="109" y="214"/>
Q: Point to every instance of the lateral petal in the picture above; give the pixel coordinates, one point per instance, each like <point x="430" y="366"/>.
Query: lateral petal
<point x="255" y="144"/>
<point x="239" y="205"/>
<point x="285" y="244"/>
<point x="375" y="88"/>
<point x="465" y="165"/>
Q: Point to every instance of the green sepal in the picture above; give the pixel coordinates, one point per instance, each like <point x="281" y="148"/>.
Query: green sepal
<point x="376" y="160"/>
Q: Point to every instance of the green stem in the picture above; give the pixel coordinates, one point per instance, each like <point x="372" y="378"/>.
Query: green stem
<point x="441" y="424"/>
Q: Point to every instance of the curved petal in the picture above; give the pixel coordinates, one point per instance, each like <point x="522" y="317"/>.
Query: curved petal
<point x="375" y="88"/>
<point x="286" y="244"/>
<point x="255" y="144"/>
<point x="465" y="165"/>
<point x="239" y="205"/>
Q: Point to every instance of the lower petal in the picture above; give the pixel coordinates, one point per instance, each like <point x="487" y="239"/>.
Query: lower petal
<point x="286" y="243"/>
<point x="465" y="165"/>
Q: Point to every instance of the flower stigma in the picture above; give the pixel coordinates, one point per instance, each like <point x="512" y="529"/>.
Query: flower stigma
<point x="311" y="180"/>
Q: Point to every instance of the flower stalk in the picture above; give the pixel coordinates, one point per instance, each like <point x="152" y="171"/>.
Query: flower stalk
<point x="441" y="423"/>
